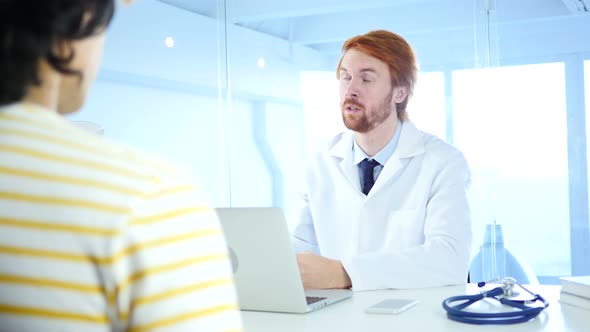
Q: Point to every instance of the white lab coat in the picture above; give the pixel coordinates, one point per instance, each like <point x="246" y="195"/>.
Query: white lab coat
<point x="412" y="230"/>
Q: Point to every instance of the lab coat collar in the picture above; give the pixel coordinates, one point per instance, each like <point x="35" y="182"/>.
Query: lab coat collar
<point x="410" y="144"/>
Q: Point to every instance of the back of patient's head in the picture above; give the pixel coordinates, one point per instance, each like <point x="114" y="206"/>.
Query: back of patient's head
<point x="37" y="34"/>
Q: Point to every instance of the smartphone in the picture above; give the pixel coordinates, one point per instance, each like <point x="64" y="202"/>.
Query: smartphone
<point x="391" y="306"/>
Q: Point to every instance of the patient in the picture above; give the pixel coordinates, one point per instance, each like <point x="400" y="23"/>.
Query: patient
<point x="93" y="236"/>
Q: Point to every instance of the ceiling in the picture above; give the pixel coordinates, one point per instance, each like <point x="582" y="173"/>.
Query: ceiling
<point x="325" y="24"/>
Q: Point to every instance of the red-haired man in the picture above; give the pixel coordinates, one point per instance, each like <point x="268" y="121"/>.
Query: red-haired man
<point x="385" y="204"/>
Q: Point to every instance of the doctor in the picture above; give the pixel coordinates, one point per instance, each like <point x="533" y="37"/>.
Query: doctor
<point x="385" y="204"/>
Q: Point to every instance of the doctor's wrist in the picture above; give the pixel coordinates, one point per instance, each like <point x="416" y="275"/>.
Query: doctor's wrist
<point x="342" y="279"/>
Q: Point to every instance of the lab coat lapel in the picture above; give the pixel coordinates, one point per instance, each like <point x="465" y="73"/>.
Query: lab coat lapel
<point x="342" y="154"/>
<point x="410" y="144"/>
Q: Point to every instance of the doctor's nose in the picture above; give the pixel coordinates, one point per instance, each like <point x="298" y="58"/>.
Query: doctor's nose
<point x="351" y="91"/>
<point x="352" y="95"/>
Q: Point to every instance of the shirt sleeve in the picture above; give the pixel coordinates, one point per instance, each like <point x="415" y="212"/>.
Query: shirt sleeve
<point x="171" y="266"/>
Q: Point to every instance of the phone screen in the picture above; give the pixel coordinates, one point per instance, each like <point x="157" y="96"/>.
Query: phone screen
<point x="391" y="306"/>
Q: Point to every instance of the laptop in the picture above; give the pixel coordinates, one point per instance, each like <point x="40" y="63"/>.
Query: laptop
<point x="265" y="268"/>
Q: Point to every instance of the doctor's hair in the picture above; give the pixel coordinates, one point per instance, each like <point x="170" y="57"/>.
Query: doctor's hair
<point x="395" y="51"/>
<point x="35" y="30"/>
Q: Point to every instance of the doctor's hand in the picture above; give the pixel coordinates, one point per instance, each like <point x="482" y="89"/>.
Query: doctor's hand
<point x="318" y="272"/>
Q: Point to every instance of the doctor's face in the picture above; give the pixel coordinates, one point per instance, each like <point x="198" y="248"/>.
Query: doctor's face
<point x="366" y="94"/>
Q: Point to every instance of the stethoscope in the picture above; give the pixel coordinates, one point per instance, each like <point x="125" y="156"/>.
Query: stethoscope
<point x="501" y="294"/>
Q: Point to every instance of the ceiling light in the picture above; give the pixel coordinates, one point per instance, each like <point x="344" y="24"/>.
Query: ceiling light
<point x="169" y="41"/>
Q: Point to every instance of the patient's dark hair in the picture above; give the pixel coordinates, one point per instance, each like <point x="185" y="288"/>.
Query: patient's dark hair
<point x="31" y="30"/>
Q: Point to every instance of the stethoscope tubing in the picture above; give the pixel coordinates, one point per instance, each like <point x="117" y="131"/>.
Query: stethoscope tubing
<point x="456" y="313"/>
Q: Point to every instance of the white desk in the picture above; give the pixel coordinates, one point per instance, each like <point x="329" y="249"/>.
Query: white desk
<point x="428" y="315"/>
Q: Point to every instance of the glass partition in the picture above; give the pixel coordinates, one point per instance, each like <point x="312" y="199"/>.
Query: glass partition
<point x="499" y="79"/>
<point x="242" y="91"/>
<point x="535" y="138"/>
<point x="158" y="88"/>
<point x="516" y="144"/>
<point x="284" y="92"/>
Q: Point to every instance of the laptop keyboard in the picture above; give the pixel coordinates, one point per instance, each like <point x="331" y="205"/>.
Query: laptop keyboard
<point x="313" y="299"/>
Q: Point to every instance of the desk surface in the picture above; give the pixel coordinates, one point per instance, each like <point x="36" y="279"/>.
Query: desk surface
<point x="427" y="315"/>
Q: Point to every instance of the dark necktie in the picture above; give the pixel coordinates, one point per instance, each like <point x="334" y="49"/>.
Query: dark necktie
<point x="368" y="179"/>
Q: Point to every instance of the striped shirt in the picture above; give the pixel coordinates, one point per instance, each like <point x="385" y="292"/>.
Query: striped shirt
<point x="97" y="237"/>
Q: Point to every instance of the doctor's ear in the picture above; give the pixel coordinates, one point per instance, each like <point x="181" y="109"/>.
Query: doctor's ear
<point x="399" y="94"/>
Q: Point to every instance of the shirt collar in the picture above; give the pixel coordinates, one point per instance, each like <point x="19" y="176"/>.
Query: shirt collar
<point x="381" y="156"/>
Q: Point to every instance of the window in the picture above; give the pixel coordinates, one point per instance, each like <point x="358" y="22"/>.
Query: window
<point x="426" y="108"/>
<point x="510" y="122"/>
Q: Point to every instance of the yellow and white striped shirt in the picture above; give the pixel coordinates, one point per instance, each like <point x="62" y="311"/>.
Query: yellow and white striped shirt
<point x="96" y="237"/>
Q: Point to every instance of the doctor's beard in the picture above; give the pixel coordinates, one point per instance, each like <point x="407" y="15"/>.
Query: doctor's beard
<point x="364" y="121"/>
